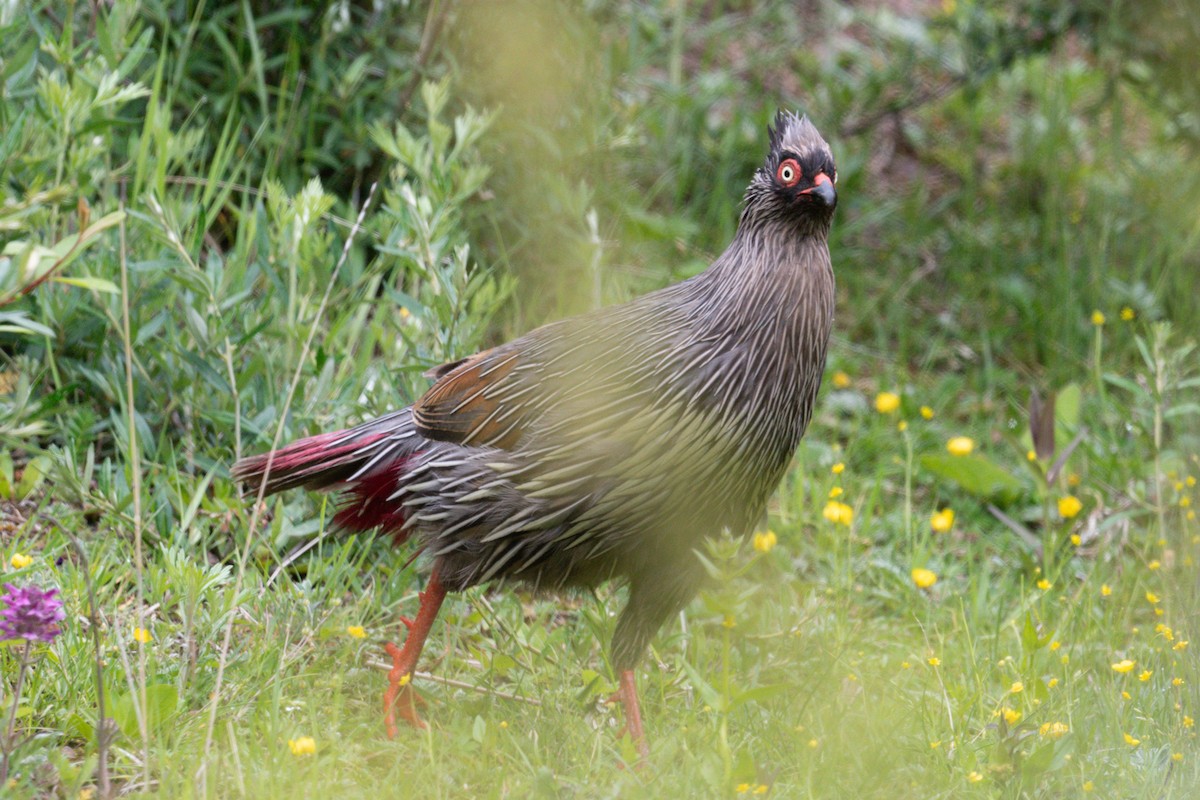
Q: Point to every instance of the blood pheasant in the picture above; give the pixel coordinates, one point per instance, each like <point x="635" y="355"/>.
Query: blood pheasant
<point x="607" y="445"/>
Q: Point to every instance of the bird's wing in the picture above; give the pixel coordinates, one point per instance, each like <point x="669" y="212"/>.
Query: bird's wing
<point x="467" y="403"/>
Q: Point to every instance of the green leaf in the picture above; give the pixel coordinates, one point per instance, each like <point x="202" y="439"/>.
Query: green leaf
<point x="1039" y="761"/>
<point x="975" y="473"/>
<point x="502" y="663"/>
<point x="19" y="322"/>
<point x="1030" y="639"/>
<point x="18" y="61"/>
<point x="6" y="475"/>
<point x="32" y="477"/>
<point x="96" y="284"/>
<point x="709" y="694"/>
<point x="759" y="693"/>
<point x="1066" y="409"/>
<point x="161" y="701"/>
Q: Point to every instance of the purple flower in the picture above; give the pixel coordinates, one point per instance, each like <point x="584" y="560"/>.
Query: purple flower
<point x="30" y="614"/>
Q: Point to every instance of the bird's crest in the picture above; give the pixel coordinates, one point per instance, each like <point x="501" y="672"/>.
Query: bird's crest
<point x="795" y="134"/>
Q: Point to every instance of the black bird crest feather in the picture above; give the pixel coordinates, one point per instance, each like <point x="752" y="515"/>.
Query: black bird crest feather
<point x="794" y="134"/>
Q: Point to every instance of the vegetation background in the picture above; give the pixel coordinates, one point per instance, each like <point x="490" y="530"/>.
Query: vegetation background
<point x="225" y="224"/>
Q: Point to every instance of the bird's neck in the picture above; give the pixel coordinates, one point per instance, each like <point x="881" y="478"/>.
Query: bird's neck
<point x="774" y="264"/>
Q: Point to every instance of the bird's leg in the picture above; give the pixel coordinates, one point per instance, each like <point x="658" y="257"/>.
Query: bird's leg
<point x="400" y="695"/>
<point x="627" y="696"/>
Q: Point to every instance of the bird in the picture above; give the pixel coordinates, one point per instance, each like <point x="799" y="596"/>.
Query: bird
<point x="606" y="446"/>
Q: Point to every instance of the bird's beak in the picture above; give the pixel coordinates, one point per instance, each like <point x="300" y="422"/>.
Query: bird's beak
<point x="822" y="188"/>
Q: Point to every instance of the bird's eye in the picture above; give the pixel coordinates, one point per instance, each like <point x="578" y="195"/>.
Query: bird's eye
<point x="788" y="172"/>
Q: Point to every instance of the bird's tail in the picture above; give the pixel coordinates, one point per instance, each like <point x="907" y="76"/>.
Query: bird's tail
<point x="365" y="462"/>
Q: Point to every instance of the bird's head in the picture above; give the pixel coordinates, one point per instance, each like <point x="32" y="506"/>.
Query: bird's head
<point x="797" y="181"/>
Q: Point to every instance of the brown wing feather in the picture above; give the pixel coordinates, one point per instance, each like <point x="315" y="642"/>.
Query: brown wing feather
<point x="466" y="404"/>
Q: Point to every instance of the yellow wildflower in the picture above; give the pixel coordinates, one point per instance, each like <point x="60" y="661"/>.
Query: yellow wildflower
<point x="1153" y="565"/>
<point x="1043" y="584"/>
<point x="1177" y="681"/>
<point x="838" y="468"/>
<point x="813" y="743"/>
<point x="1097" y="318"/>
<point x="838" y="513"/>
<point x="1185" y="502"/>
<point x="1031" y="455"/>
<point x="1190" y="480"/>
<point x="764" y="542"/>
<point x="835" y="492"/>
<point x="924" y="578"/>
<point x="1132" y="742"/>
<point x="729" y="621"/>
<point x="1127" y="314"/>
<point x="942" y="521"/>
<point x="1105" y="590"/>
<point x="303" y="746"/>
<point x="1055" y="645"/>
<point x="20" y="560"/>
<point x="1054" y="730"/>
<point x="974" y="777"/>
<point x="1069" y="506"/>
<point x="762" y="788"/>
<point x="1076" y="539"/>
<point x="926" y="412"/>
<point x="935" y="745"/>
<point x="960" y="445"/>
<point x="1123" y="666"/>
<point x="1125" y="695"/>
<point x="1180" y="645"/>
<point x="142" y="636"/>
<point x="887" y="402"/>
<point x="1011" y="715"/>
<point x="1177" y="756"/>
<point x="1088" y="786"/>
<point x="357" y="631"/>
<point x="1050" y="684"/>
<point x="841" y="380"/>
<point x="742" y="788"/>
<point x="1188" y="721"/>
<point x="1145" y="675"/>
<point x="1017" y="687"/>
<point x="1151" y="597"/>
<point x="934" y="661"/>
<point x="902" y="426"/>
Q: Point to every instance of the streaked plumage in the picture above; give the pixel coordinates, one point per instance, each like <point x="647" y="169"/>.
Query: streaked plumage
<point x="610" y="445"/>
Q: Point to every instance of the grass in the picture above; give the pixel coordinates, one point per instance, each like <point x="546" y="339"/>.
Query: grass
<point x="189" y="191"/>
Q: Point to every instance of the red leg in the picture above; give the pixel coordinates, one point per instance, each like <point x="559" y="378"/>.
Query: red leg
<point x="627" y="694"/>
<point x="400" y="694"/>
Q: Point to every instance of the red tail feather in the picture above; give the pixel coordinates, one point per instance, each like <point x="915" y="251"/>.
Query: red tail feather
<point x="366" y="504"/>
<point x="311" y="463"/>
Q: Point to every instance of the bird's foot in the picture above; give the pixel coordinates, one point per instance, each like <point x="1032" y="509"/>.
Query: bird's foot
<point x="627" y="697"/>
<point x="400" y="695"/>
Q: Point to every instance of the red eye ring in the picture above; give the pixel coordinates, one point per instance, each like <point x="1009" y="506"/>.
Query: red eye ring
<point x="788" y="173"/>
